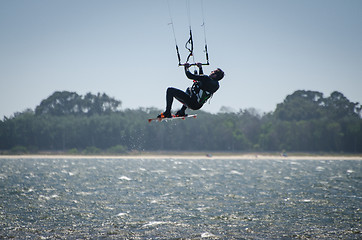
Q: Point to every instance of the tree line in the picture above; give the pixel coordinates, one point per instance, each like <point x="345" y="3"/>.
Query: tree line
<point x="305" y="121"/>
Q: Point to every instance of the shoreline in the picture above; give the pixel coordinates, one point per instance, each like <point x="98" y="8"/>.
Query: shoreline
<point x="191" y="155"/>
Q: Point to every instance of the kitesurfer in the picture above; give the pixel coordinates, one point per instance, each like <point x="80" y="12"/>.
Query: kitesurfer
<point x="195" y="96"/>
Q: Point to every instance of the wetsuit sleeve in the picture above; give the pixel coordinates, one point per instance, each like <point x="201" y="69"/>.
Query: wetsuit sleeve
<point x="189" y="75"/>
<point x="201" y="71"/>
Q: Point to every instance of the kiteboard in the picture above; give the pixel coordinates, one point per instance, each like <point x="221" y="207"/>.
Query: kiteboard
<point x="173" y="118"/>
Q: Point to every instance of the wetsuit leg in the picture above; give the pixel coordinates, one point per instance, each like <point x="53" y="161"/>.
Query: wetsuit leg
<point x="184" y="107"/>
<point x="181" y="96"/>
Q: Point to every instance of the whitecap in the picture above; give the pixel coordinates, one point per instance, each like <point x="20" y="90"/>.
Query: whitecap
<point x="159" y="171"/>
<point x="202" y="209"/>
<point x="69" y="173"/>
<point x="84" y="193"/>
<point x="154" y="223"/>
<point x="125" y="178"/>
<point x="295" y="163"/>
<point x="236" y="172"/>
<point x="42" y="197"/>
<point x="121" y="214"/>
<point x="319" y="169"/>
<point x="206" y="235"/>
<point x="29" y="190"/>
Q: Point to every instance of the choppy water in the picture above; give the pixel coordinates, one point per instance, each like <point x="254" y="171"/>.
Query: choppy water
<point x="180" y="199"/>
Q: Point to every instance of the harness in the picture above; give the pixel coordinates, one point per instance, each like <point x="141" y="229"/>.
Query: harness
<point x="201" y="95"/>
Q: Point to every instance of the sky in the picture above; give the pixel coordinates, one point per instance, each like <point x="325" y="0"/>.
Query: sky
<point x="126" y="49"/>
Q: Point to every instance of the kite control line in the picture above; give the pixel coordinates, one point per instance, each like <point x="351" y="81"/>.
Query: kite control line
<point x="190" y="43"/>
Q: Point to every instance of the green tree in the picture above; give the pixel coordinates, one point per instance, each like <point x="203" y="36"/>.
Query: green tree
<point x="305" y="121"/>
<point x="99" y="104"/>
<point x="60" y="103"/>
<point x="70" y="103"/>
<point x="301" y="105"/>
<point x="338" y="106"/>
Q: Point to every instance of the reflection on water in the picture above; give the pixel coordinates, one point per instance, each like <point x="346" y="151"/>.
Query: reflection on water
<point x="174" y="199"/>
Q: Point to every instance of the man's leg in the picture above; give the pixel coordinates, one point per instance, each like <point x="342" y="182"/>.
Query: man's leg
<point x="181" y="112"/>
<point x="179" y="95"/>
<point x="170" y="94"/>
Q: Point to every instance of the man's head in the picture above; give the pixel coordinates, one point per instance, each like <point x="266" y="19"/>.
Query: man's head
<point x="217" y="74"/>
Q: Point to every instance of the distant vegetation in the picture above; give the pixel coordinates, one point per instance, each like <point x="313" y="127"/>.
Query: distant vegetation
<point x="91" y="124"/>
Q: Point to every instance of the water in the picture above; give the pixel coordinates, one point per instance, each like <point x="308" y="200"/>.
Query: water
<point x="180" y="199"/>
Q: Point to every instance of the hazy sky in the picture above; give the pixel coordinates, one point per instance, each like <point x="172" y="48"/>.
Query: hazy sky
<point x="268" y="49"/>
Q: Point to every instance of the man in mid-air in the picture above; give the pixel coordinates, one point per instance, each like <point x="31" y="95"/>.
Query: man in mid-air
<point x="195" y="96"/>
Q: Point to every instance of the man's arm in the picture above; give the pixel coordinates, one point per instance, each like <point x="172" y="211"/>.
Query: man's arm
<point x="189" y="75"/>
<point x="199" y="65"/>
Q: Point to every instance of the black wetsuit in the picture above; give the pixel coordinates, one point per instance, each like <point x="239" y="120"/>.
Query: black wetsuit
<point x="195" y="96"/>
